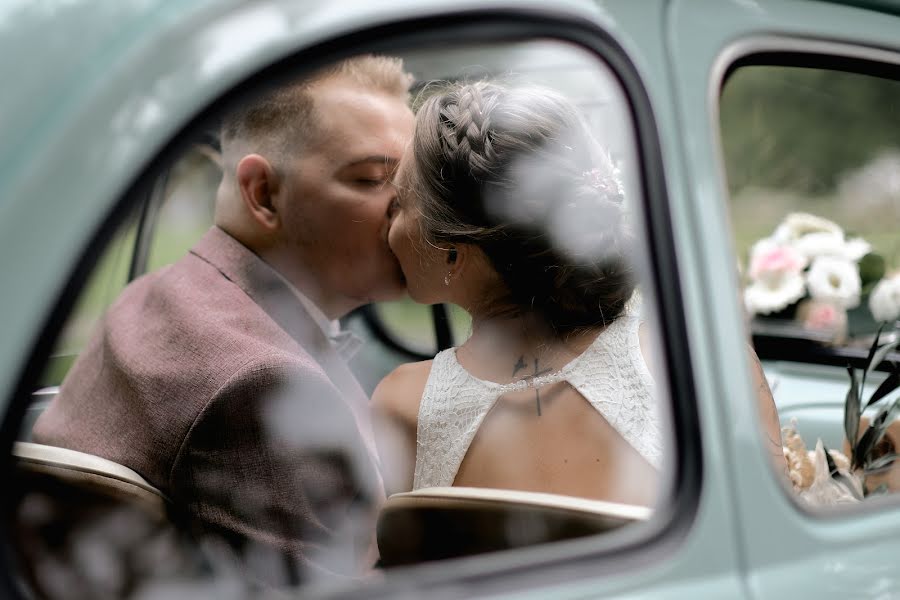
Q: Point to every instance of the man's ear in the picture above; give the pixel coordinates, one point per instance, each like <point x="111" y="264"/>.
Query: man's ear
<point x="258" y="184"/>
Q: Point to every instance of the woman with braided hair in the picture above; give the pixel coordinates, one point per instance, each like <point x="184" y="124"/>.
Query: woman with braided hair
<point x="509" y="209"/>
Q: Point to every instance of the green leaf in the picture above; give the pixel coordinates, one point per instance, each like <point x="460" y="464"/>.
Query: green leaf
<point x="845" y="481"/>
<point x="881" y="463"/>
<point x="851" y="410"/>
<point x="869" y="366"/>
<point x="838" y="476"/>
<point x="873" y="435"/>
<point x="832" y="468"/>
<point x="874" y="345"/>
<point x="863" y="447"/>
<point x="870" y="437"/>
<point x="871" y="268"/>
<point x="880" y="354"/>
<point x="887" y="386"/>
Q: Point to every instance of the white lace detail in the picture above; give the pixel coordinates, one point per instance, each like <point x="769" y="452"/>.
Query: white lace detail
<point x="610" y="374"/>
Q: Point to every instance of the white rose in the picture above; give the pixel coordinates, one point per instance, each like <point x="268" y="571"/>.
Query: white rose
<point x="772" y="294"/>
<point x="834" y="280"/>
<point x="885" y="299"/>
<point x="797" y="225"/>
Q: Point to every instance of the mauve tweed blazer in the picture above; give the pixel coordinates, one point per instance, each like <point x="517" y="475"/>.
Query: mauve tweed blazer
<point x="210" y="379"/>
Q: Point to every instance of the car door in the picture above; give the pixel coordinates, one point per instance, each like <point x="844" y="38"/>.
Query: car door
<point x="786" y="549"/>
<point x="190" y="67"/>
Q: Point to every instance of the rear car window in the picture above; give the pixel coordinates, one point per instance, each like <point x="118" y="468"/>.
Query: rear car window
<point x="812" y="156"/>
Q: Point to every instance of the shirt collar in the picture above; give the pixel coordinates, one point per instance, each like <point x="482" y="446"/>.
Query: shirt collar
<point x="345" y="342"/>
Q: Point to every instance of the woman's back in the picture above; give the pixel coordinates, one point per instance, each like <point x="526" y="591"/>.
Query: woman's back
<point x="578" y="420"/>
<point x="571" y="450"/>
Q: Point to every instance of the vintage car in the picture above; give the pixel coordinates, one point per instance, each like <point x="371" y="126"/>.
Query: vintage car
<point x="740" y="128"/>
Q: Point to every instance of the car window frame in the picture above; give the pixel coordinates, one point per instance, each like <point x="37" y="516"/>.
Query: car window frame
<point x="823" y="53"/>
<point x="782" y="51"/>
<point x="517" y="569"/>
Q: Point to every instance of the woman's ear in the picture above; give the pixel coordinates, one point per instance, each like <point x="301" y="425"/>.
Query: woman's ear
<point x="458" y="256"/>
<point x="258" y="184"/>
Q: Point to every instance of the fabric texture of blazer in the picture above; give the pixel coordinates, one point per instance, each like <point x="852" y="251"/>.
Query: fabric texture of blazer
<point x="210" y="379"/>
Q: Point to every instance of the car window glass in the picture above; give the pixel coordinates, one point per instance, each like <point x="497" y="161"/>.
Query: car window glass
<point x="186" y="211"/>
<point x="232" y="379"/>
<point x="106" y="281"/>
<point x="187" y="205"/>
<point x="812" y="157"/>
<point x="413" y="322"/>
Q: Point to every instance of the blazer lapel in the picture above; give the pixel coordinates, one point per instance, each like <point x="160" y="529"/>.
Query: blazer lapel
<point x="260" y="281"/>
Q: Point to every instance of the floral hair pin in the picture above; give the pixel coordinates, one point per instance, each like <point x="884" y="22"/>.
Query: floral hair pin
<point x="607" y="182"/>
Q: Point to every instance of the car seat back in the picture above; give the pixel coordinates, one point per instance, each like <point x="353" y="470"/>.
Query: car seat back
<point x="448" y="522"/>
<point x="87" y="527"/>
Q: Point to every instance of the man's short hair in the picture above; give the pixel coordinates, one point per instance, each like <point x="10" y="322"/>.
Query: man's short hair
<point x="282" y="119"/>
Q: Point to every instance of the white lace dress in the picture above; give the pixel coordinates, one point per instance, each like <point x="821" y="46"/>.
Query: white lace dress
<point x="610" y="374"/>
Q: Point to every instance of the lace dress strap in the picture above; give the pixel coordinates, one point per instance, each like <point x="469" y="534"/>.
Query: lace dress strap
<point x="610" y="374"/>
<point x="452" y="408"/>
<point x="614" y="378"/>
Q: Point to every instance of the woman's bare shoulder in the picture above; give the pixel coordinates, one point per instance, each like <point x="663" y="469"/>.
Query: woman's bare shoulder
<point x="400" y="392"/>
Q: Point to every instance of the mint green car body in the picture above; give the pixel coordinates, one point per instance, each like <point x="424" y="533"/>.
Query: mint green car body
<point x="93" y="90"/>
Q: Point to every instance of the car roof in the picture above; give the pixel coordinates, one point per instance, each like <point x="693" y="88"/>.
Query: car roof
<point x="60" y="53"/>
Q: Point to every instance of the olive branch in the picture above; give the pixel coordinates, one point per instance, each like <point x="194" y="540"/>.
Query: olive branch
<point x="862" y="444"/>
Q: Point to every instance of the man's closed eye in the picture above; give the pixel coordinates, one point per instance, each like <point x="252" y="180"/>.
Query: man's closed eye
<point x="374" y="183"/>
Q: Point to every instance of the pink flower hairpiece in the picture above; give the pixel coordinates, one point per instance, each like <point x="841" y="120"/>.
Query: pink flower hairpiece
<point x="606" y="182"/>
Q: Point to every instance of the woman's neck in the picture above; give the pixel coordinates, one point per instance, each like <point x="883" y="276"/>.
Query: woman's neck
<point x="520" y="332"/>
<point x="508" y="348"/>
<point x="513" y="328"/>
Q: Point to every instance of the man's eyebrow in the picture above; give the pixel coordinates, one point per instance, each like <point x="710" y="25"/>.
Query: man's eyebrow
<point x="374" y="158"/>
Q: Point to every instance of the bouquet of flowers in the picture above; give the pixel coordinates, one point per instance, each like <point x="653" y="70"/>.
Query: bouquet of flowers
<point x="827" y="477"/>
<point x="811" y="271"/>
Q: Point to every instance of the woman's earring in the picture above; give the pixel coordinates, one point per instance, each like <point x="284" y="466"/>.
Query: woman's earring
<point x="447" y="278"/>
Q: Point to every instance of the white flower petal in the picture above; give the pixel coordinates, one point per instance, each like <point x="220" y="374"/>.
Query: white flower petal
<point x="856" y="248"/>
<point x="885" y="299"/>
<point x="821" y="243"/>
<point x="765" y="297"/>
<point x="762" y="246"/>
<point x="834" y="280"/>
<point x="824" y="489"/>
<point x="797" y="225"/>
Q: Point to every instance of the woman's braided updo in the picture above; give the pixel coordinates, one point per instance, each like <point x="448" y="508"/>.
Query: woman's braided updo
<point x="515" y="172"/>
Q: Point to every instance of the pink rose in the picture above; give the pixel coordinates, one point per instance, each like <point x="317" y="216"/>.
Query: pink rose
<point x="824" y="316"/>
<point x="771" y="261"/>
